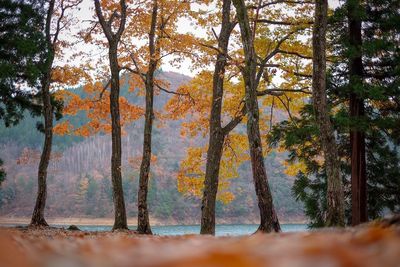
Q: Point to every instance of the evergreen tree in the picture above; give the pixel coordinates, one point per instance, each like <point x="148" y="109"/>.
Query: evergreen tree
<point x="21" y="56"/>
<point x="380" y="122"/>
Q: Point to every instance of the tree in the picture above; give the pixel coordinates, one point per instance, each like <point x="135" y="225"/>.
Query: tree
<point x="154" y="53"/>
<point x="275" y="50"/>
<point x="357" y="137"/>
<point x="380" y="93"/>
<point x="335" y="197"/>
<point x="159" y="22"/>
<point x="269" y="220"/>
<point x="50" y="104"/>
<point x="21" y="54"/>
<point x="21" y="62"/>
<point x="217" y="132"/>
<point x="113" y="39"/>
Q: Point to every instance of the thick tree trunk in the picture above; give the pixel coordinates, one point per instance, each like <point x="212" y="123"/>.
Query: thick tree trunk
<point x="143" y="212"/>
<point x="269" y="220"/>
<point x="335" y="196"/>
<point x="217" y="136"/>
<point x="116" y="154"/>
<point x="357" y="137"/>
<point x="38" y="212"/>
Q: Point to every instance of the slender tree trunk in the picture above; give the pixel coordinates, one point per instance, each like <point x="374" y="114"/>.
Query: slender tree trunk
<point x="269" y="220"/>
<point x="143" y="212"/>
<point x="335" y="196"/>
<point x="217" y="136"/>
<point x="214" y="155"/>
<point x="357" y="136"/>
<point x="38" y="212"/>
<point x="358" y="168"/>
<point x="120" y="221"/>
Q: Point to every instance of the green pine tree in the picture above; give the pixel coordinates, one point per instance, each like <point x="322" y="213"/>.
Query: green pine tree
<point x="380" y="89"/>
<point x="22" y="49"/>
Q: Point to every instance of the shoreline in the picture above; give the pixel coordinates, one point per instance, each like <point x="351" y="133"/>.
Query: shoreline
<point x="109" y="222"/>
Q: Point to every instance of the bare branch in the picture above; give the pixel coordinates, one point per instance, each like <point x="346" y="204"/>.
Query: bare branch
<point x="235" y="121"/>
<point x="174" y="93"/>
<point x="281" y="91"/>
<point x="272" y="113"/>
<point x="280" y="2"/>
<point x="283" y="23"/>
<point x="287" y="107"/>
<point x="103" y="91"/>
<point x="294" y="53"/>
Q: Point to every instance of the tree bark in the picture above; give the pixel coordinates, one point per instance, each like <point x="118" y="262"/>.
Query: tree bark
<point x="335" y="196"/>
<point x="357" y="136"/>
<point x="116" y="153"/>
<point x="120" y="220"/>
<point x="38" y="211"/>
<point x="269" y="220"/>
<point x="217" y="135"/>
<point x="143" y="213"/>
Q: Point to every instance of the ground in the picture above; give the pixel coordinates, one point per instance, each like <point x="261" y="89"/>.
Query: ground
<point x="372" y="245"/>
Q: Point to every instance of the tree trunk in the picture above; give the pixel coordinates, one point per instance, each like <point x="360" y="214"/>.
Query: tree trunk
<point x="217" y="136"/>
<point x="116" y="154"/>
<point x="143" y="212"/>
<point x="120" y="221"/>
<point x="38" y="211"/>
<point x="358" y="166"/>
<point x="357" y="137"/>
<point x="335" y="196"/>
<point x="269" y="220"/>
<point x="214" y="155"/>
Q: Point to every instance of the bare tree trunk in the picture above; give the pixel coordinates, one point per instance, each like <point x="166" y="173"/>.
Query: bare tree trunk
<point x="217" y="136"/>
<point x="38" y="212"/>
<point x="269" y="220"/>
<point x="335" y="196"/>
<point x="143" y="212"/>
<point x="120" y="220"/>
<point x="357" y="137"/>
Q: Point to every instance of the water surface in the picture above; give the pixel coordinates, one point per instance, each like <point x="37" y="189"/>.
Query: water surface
<point x="221" y="230"/>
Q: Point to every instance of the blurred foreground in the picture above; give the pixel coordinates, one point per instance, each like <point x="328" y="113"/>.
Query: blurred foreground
<point x="374" y="245"/>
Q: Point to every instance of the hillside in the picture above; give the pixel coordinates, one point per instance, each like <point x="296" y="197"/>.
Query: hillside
<point x="79" y="174"/>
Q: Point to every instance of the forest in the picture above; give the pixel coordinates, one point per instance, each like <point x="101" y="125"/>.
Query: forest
<point x="199" y="112"/>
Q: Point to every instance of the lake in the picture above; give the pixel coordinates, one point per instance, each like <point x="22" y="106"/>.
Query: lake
<point x="221" y="230"/>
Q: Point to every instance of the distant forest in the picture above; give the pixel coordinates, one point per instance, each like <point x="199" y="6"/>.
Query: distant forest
<point x="79" y="174"/>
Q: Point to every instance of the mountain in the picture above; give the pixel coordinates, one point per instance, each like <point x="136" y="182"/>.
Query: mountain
<point x="79" y="182"/>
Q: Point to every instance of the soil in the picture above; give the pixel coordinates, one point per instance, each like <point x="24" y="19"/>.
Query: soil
<point x="375" y="244"/>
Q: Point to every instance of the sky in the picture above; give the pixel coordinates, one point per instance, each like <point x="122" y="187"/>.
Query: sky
<point x="85" y="15"/>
